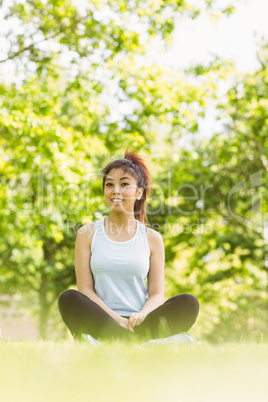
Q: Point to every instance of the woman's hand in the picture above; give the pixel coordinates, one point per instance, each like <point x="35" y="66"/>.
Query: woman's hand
<point x="136" y="319"/>
<point x="124" y="322"/>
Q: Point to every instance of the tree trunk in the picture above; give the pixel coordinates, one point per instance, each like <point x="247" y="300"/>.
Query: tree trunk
<point x="44" y="309"/>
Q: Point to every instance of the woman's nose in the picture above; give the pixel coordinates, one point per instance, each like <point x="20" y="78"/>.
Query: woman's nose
<point x="116" y="190"/>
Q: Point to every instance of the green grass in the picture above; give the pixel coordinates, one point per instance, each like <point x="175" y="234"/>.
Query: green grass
<point x="116" y="371"/>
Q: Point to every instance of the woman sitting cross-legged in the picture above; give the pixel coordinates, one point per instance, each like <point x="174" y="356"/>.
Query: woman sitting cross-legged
<point x="113" y="258"/>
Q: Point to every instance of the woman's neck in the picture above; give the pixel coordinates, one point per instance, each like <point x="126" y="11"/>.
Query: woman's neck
<point x="125" y="223"/>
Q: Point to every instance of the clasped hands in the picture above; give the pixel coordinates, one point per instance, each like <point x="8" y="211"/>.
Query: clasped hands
<point x="133" y="320"/>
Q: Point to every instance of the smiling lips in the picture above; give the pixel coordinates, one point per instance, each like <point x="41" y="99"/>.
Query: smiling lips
<point x="117" y="200"/>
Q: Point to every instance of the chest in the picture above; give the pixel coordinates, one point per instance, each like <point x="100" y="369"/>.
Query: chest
<point x="116" y="260"/>
<point x="126" y="235"/>
<point x="120" y="236"/>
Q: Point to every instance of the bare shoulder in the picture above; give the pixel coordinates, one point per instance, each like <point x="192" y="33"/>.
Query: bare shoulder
<point x="154" y="238"/>
<point x="153" y="233"/>
<point x="86" y="232"/>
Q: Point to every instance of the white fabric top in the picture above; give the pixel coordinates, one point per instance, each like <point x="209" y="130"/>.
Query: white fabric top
<point x="120" y="268"/>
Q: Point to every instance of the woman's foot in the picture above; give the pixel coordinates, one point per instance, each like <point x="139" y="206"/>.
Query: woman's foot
<point x="86" y="338"/>
<point x="183" y="337"/>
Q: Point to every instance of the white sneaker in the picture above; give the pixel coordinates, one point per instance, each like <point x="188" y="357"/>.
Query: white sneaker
<point x="86" y="338"/>
<point x="178" y="338"/>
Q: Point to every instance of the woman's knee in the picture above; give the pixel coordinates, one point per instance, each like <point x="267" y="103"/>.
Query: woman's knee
<point x="192" y="300"/>
<point x="66" y="297"/>
<point x="189" y="302"/>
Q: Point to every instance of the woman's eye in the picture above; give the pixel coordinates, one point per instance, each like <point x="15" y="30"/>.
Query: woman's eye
<point x="111" y="183"/>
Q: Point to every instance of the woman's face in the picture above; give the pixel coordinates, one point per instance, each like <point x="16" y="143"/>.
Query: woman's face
<point x="120" y="185"/>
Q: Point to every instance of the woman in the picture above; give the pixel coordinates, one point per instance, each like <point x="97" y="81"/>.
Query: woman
<point x="113" y="259"/>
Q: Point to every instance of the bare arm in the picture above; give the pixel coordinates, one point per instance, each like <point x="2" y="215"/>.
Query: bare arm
<point x="155" y="276"/>
<point x="155" y="281"/>
<point x="84" y="277"/>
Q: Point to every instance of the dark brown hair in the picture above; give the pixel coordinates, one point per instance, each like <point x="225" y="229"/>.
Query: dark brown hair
<point x="134" y="164"/>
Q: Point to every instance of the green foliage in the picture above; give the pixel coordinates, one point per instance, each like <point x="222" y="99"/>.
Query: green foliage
<point x="81" y="29"/>
<point x="57" y="130"/>
<point x="223" y="263"/>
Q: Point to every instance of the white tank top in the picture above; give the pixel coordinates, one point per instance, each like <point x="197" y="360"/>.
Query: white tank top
<point x="120" y="268"/>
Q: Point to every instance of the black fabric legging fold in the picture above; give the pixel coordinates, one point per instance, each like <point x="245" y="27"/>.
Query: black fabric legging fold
<point x="82" y="315"/>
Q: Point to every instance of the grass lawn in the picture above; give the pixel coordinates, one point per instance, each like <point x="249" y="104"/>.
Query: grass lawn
<point x="66" y="371"/>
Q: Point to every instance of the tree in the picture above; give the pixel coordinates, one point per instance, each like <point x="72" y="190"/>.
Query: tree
<point x="218" y="197"/>
<point x="56" y="126"/>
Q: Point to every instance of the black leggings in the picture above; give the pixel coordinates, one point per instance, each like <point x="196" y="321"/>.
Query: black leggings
<point x="82" y="315"/>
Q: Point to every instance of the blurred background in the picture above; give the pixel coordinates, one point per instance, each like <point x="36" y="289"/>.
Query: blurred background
<point x="185" y="84"/>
